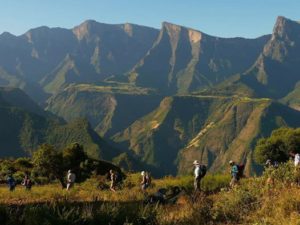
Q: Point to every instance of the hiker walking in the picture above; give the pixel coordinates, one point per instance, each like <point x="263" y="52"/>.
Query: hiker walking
<point x="199" y="173"/>
<point x="271" y="164"/>
<point x="297" y="160"/>
<point x="234" y="173"/>
<point x="296" y="157"/>
<point x="113" y="180"/>
<point x="146" y="180"/>
<point x="70" y="180"/>
<point x="11" y="182"/>
<point x="297" y="166"/>
<point x="27" y="183"/>
<point x="268" y="163"/>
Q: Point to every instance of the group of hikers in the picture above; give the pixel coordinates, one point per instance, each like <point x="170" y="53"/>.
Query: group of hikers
<point x="200" y="171"/>
<point x="115" y="178"/>
<point x="27" y="182"/>
<point x="11" y="182"/>
<point x="237" y="170"/>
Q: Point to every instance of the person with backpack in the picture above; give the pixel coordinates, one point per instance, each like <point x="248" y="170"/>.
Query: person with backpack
<point x="113" y="180"/>
<point x="236" y="172"/>
<point x="268" y="163"/>
<point x="27" y="183"/>
<point x="70" y="180"/>
<point x="199" y="173"/>
<point x="11" y="182"/>
<point x="271" y="164"/>
<point x="118" y="178"/>
<point x="146" y="180"/>
<point x="297" y="159"/>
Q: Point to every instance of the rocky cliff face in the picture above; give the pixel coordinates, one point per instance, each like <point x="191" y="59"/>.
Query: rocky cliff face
<point x="276" y="70"/>
<point x="165" y="97"/>
<point x="183" y="60"/>
<point x="213" y="130"/>
<point x="48" y="59"/>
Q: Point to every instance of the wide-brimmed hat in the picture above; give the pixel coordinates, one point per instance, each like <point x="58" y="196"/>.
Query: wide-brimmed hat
<point x="231" y="162"/>
<point x="196" y="162"/>
<point x="143" y="173"/>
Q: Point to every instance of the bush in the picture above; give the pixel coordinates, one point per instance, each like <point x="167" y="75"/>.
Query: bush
<point x="232" y="207"/>
<point x="285" y="173"/>
<point x="213" y="183"/>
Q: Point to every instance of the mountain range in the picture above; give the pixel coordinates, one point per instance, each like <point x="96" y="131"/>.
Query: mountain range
<point x="153" y="98"/>
<point x="24" y="126"/>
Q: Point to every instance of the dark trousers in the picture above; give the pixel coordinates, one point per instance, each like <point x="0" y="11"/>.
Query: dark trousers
<point x="197" y="181"/>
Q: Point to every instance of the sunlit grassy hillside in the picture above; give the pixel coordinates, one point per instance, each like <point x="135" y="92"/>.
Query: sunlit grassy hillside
<point x="253" y="201"/>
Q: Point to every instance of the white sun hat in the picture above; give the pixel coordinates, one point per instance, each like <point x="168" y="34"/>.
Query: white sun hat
<point x="196" y="162"/>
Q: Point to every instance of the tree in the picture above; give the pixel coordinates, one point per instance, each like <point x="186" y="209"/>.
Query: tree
<point x="74" y="158"/>
<point x="73" y="155"/>
<point x="49" y="162"/>
<point x="278" y="146"/>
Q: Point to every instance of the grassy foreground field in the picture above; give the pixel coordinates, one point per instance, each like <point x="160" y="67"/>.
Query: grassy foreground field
<point x="251" y="202"/>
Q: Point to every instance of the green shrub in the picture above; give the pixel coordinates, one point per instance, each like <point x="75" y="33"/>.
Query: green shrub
<point x="212" y="183"/>
<point x="285" y="173"/>
<point x="233" y="206"/>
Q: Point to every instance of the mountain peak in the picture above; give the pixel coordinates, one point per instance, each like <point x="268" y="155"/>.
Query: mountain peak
<point x="40" y="29"/>
<point x="85" y="28"/>
<point x="172" y="26"/>
<point x="284" y="27"/>
<point x="6" y="36"/>
<point x="194" y="35"/>
<point x="128" y="28"/>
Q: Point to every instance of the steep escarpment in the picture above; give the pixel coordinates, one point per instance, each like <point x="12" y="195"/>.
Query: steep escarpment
<point x="210" y="129"/>
<point x="276" y="71"/>
<point x="108" y="109"/>
<point x="45" y="60"/>
<point x="183" y="60"/>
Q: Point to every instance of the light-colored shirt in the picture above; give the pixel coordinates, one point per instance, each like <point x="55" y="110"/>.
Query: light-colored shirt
<point x="234" y="170"/>
<point x="71" y="177"/>
<point x="297" y="159"/>
<point x="197" y="171"/>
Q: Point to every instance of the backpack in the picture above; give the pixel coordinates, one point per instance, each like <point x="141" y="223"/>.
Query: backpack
<point x="202" y="170"/>
<point x="148" y="179"/>
<point x="28" y="183"/>
<point x="11" y="182"/>
<point x="241" y="169"/>
<point x="118" y="178"/>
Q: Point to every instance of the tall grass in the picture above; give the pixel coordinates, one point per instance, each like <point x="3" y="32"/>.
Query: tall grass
<point x="253" y="201"/>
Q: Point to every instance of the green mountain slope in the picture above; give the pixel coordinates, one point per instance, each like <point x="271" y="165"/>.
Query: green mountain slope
<point x="210" y="129"/>
<point x="109" y="109"/>
<point x="24" y="126"/>
<point x="293" y="98"/>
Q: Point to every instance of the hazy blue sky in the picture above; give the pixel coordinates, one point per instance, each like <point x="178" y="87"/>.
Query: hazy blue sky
<point x="225" y="18"/>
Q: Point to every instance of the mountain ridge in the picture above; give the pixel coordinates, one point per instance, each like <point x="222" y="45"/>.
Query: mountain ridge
<point x="165" y="97"/>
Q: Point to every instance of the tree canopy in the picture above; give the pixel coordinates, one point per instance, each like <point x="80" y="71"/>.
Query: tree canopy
<point x="278" y="146"/>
